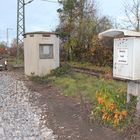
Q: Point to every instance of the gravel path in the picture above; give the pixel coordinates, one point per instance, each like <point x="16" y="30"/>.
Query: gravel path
<point x="19" y="120"/>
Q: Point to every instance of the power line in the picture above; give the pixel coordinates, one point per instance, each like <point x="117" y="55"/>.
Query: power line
<point x="51" y="1"/>
<point x="28" y="2"/>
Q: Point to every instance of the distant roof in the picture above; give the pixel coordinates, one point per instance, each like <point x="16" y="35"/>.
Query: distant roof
<point x="117" y="32"/>
<point x="39" y="32"/>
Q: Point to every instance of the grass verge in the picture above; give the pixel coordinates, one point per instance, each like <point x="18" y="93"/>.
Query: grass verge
<point x="106" y="97"/>
<point x="13" y="60"/>
<point x="89" y="66"/>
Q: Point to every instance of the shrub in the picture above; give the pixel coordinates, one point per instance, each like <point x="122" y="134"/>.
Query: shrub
<point x="60" y="70"/>
<point x="50" y="77"/>
<point x="110" y="106"/>
<point x="40" y="80"/>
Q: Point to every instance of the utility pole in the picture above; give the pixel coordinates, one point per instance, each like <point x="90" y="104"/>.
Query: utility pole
<point x="20" y="23"/>
<point x="7" y="36"/>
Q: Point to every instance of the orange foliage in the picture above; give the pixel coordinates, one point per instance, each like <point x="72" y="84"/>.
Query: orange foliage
<point x="110" y="111"/>
<point x="2" y="50"/>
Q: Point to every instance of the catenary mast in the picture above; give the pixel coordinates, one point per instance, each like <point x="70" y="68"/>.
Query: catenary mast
<point x="20" y="24"/>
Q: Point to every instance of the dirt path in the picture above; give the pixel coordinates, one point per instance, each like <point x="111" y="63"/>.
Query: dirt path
<point x="64" y="116"/>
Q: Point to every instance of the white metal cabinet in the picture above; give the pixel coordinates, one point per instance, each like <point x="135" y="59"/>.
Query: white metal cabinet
<point x="123" y="53"/>
<point x="126" y="63"/>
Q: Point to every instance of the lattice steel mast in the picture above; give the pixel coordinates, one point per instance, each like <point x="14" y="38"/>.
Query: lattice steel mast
<point x="20" y="25"/>
<point x="20" y="21"/>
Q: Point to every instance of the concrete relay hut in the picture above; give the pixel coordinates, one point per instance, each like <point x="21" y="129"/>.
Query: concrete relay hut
<point x="41" y="53"/>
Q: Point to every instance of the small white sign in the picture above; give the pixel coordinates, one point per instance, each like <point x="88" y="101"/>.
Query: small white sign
<point x="122" y="56"/>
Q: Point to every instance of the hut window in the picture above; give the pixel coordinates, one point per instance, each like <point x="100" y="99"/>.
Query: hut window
<point x="31" y="35"/>
<point x="46" y="51"/>
<point x="46" y="35"/>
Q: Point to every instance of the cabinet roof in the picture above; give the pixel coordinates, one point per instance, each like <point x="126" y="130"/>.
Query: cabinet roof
<point x="118" y="32"/>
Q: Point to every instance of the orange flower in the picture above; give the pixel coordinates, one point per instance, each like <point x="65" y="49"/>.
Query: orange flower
<point x="124" y="113"/>
<point x="108" y="118"/>
<point x="103" y="110"/>
<point x="112" y="106"/>
<point x="120" y="117"/>
<point x="101" y="101"/>
<point x="116" y="116"/>
<point x="116" y="122"/>
<point x="104" y="117"/>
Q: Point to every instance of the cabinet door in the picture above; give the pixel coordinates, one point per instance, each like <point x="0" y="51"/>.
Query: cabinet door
<point x="122" y="63"/>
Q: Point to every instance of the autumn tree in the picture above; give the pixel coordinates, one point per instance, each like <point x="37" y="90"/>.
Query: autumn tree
<point x="13" y="49"/>
<point x="66" y="28"/>
<point x="79" y="26"/>
<point x="3" y="48"/>
<point x="132" y="12"/>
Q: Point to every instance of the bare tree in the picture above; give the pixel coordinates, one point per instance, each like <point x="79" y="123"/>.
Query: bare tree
<point x="132" y="12"/>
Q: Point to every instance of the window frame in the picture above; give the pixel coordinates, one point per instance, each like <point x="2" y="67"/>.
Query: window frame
<point x="42" y="55"/>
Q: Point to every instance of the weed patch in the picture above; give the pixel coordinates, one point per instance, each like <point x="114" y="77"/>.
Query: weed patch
<point x="60" y="71"/>
<point x="40" y="80"/>
<point x="106" y="97"/>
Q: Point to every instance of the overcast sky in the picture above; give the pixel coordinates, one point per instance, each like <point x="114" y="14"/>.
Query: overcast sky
<point x="42" y="16"/>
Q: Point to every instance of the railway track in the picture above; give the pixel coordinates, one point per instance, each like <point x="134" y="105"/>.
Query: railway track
<point x="95" y="73"/>
<point x="92" y="72"/>
<point x="89" y="72"/>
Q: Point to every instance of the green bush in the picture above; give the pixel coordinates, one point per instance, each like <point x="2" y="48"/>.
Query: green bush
<point x="111" y="108"/>
<point x="40" y="80"/>
<point x="60" y="71"/>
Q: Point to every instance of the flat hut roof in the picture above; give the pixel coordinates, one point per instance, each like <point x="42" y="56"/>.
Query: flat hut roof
<point x="40" y="32"/>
